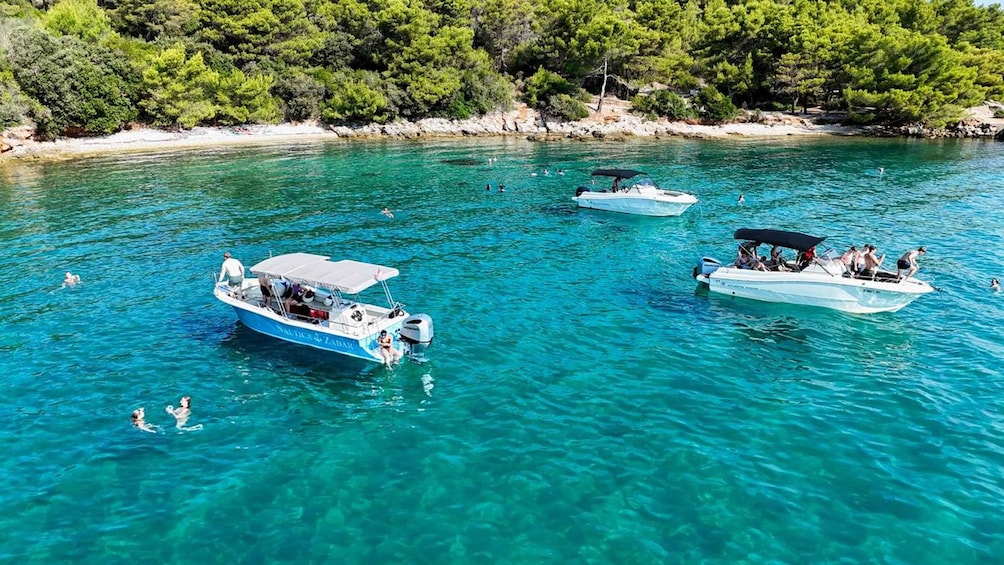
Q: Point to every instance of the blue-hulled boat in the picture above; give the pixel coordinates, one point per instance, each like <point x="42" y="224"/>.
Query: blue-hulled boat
<point x="313" y="301"/>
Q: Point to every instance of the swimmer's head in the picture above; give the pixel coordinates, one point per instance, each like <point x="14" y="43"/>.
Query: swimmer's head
<point x="185" y="402"/>
<point x="137" y="414"/>
<point x="383" y="333"/>
<point x="226" y="255"/>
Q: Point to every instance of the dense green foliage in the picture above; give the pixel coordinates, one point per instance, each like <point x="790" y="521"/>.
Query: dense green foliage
<point x="554" y="96"/>
<point x="663" y="103"/>
<point x="93" y="66"/>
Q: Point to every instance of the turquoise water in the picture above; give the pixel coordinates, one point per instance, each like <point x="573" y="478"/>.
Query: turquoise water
<point x="585" y="402"/>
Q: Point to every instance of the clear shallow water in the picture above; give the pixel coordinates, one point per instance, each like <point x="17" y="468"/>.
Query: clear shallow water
<point x="585" y="403"/>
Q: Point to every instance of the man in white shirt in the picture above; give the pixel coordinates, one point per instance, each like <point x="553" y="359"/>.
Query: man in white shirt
<point x="233" y="271"/>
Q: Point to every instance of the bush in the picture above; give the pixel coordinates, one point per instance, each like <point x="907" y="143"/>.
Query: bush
<point x="544" y="85"/>
<point x="565" y="108"/>
<point x="999" y="112"/>
<point x="301" y="95"/>
<point x="15" y="107"/>
<point x="82" y="87"/>
<point x="663" y="103"/>
<point x="714" y="106"/>
<point x="460" y="109"/>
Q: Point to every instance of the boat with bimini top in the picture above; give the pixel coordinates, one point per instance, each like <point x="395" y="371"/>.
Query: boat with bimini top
<point x="308" y="299"/>
<point x="640" y="196"/>
<point x="811" y="280"/>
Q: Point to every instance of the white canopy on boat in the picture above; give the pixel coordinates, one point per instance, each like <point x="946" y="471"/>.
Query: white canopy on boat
<point x="350" y="277"/>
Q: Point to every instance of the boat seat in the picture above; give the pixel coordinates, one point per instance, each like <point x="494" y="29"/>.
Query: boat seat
<point x="351" y="314"/>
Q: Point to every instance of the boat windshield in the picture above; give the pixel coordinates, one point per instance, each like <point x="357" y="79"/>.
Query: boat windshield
<point x="645" y="182"/>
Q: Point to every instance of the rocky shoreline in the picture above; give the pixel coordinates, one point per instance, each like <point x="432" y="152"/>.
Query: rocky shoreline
<point x="616" y="123"/>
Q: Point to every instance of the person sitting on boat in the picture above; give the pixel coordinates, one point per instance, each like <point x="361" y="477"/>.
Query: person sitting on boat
<point x="777" y="262"/>
<point x="387" y="351"/>
<point x="747" y="258"/>
<point x="908" y="263"/>
<point x="744" y="260"/>
<point x="806" y="257"/>
<point x="850" y="259"/>
<point x="872" y="263"/>
<point x="293" y="295"/>
<point x="233" y="271"/>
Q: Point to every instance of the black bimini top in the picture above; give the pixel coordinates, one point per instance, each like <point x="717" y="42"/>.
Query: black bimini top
<point x="619" y="173"/>
<point x="789" y="239"/>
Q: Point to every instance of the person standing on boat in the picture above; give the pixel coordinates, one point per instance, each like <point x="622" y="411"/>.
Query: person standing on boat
<point x="267" y="290"/>
<point x="387" y="351"/>
<point x="233" y="271"/>
<point x="872" y="263"/>
<point x="908" y="263"/>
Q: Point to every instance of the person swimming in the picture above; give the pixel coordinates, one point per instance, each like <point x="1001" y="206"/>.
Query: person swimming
<point x="182" y="413"/>
<point x="70" y="279"/>
<point x="386" y="212"/>
<point x="995" y="285"/>
<point x="139" y="420"/>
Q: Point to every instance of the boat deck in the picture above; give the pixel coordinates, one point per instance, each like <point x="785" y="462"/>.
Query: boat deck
<point x="348" y="317"/>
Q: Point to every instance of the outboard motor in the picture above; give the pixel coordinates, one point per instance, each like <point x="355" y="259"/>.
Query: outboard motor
<point x="580" y="190"/>
<point x="706" y="266"/>
<point x="416" y="334"/>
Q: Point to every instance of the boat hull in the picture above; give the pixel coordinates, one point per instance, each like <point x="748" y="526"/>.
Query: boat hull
<point x="639" y="204"/>
<point x="846" y="294"/>
<point x="321" y="335"/>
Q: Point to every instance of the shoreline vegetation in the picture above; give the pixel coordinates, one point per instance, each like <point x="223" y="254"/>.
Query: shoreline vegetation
<point x="615" y="123"/>
<point x="74" y="70"/>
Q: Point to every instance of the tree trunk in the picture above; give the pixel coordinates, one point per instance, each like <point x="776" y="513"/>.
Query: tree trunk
<point x="603" y="87"/>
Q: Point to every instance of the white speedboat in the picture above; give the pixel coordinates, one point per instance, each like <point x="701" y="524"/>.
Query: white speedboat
<point x="821" y="281"/>
<point x="326" y="312"/>
<point x="641" y="197"/>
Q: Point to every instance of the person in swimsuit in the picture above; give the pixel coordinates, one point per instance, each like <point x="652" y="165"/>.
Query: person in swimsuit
<point x="182" y="412"/>
<point x="872" y="263"/>
<point x="387" y="351"/>
<point x="139" y="420"/>
<point x="995" y="285"/>
<point x="71" y="279"/>
<point x="850" y="259"/>
<point x="908" y="263"/>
